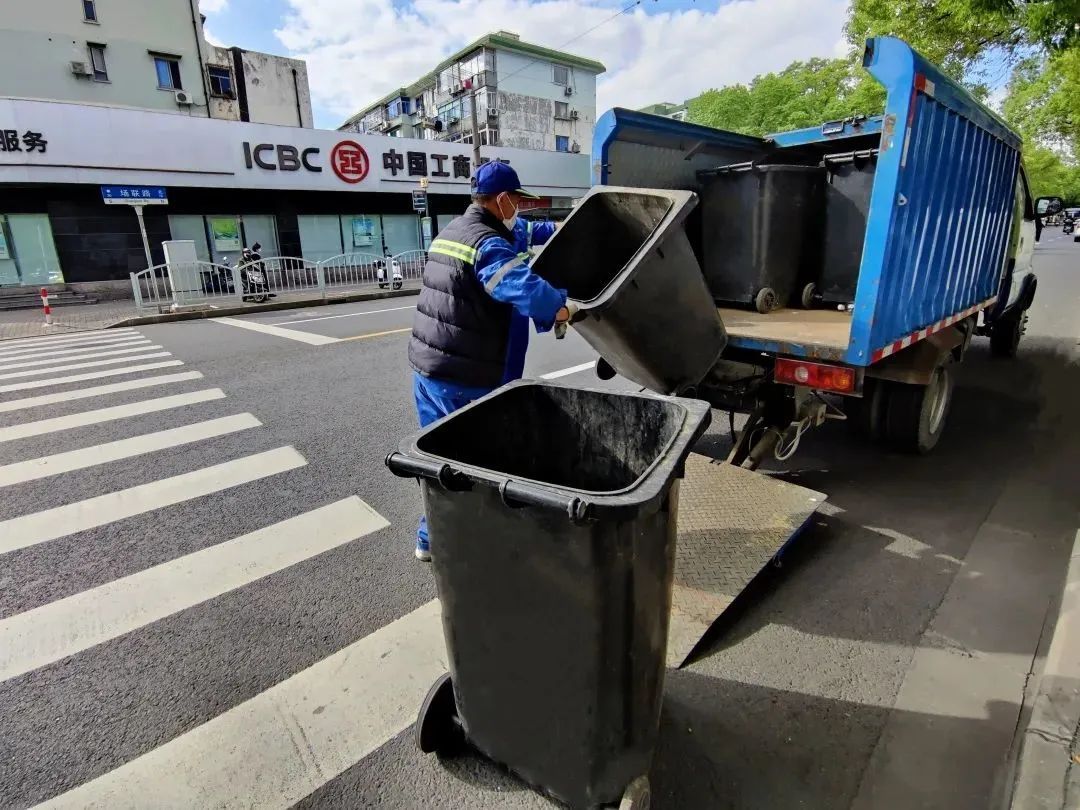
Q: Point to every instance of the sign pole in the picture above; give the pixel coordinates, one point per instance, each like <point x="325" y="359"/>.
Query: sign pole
<point x="142" y="230"/>
<point x="475" y="132"/>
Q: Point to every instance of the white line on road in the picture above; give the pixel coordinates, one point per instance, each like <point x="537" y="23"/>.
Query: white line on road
<point x="110" y="362"/>
<point x="566" y="372"/>
<point x="39" y="527"/>
<point x="97" y="391"/>
<point x="277" y="331"/>
<point x="347" y="315"/>
<point x="283" y="744"/>
<point x="66" y="337"/>
<point x="52" y="351"/>
<point x="36" y="468"/>
<point x="54" y="631"/>
<point x="86" y="354"/>
<point x="91" y="375"/>
<point x="110" y="414"/>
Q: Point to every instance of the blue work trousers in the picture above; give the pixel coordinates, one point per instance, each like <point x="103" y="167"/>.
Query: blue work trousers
<point x="434" y="400"/>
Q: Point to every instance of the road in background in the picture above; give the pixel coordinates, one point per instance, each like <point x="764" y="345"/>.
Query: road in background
<point x="873" y="665"/>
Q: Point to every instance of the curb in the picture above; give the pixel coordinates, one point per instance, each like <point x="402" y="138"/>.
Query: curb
<point x="221" y="312"/>
<point x="1042" y="772"/>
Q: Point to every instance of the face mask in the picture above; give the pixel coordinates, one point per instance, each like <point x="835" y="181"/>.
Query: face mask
<point x="509" y="222"/>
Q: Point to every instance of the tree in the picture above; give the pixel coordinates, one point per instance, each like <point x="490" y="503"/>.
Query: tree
<point x="804" y="94"/>
<point x="1043" y="100"/>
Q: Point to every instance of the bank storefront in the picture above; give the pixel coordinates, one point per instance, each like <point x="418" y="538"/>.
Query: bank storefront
<point x="312" y="194"/>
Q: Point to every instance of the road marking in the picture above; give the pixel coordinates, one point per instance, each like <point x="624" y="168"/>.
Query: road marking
<point x="376" y="334"/>
<point x="67" y="337"/>
<point x="90" y="354"/>
<point x="347" y="315"/>
<point x="92" y="375"/>
<point x="112" y="343"/>
<point x="277" y="331"/>
<point x="284" y="743"/>
<point x="110" y="362"/>
<point x="566" y="372"/>
<point x="63" y="628"/>
<point x="76" y="420"/>
<point x="39" y="527"/>
<point x="36" y="468"/>
<point x="97" y="391"/>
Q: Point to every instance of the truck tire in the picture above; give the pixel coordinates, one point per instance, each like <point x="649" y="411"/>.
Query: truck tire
<point x="1005" y="335"/>
<point x="915" y="415"/>
<point x="866" y="416"/>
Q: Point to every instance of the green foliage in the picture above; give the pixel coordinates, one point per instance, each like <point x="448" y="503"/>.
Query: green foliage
<point x="804" y="94"/>
<point x="1049" y="175"/>
<point x="1043" y="101"/>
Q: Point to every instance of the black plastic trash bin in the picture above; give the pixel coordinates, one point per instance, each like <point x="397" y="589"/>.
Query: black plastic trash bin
<point x="847" y="205"/>
<point x="624" y="257"/>
<point x="552" y="517"/>
<point x="756" y="220"/>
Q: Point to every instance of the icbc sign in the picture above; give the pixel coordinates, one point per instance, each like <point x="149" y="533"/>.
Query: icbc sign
<point x="349" y="161"/>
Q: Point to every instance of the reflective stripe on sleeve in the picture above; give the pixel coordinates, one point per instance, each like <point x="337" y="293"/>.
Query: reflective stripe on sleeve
<point x="493" y="282"/>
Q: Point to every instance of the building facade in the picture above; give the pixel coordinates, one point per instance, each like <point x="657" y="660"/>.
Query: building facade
<point x="525" y="97"/>
<point x="307" y="193"/>
<point x="119" y="53"/>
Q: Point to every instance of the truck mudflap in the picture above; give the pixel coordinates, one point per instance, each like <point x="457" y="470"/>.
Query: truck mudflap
<point x="732" y="523"/>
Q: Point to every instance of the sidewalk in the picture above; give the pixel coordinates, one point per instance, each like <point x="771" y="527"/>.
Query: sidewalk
<point x="31" y="322"/>
<point x="1048" y="770"/>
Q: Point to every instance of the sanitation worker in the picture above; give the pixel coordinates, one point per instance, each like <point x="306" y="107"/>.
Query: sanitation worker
<point x="471" y="327"/>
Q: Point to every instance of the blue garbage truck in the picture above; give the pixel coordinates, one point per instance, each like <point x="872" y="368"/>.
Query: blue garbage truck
<point x="850" y="265"/>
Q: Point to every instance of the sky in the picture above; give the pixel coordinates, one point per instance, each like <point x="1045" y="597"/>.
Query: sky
<point x="659" y="50"/>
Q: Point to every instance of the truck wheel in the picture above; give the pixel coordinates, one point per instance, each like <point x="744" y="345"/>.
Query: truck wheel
<point x="765" y="301"/>
<point x="866" y="416"/>
<point x="1005" y="336"/>
<point x="915" y="414"/>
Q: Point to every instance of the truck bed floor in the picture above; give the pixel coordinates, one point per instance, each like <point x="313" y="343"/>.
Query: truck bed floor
<point x="825" y="331"/>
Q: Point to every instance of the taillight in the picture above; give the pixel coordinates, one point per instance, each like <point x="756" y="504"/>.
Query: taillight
<point x="814" y="375"/>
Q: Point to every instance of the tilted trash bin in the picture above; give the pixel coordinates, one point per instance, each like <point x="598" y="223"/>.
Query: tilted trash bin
<point x="552" y="517"/>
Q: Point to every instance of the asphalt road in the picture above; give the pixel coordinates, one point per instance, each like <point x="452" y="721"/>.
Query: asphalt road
<point x="154" y="652"/>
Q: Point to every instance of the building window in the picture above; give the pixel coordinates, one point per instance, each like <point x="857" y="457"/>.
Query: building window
<point x="562" y="143"/>
<point x="221" y="83"/>
<point x="89" y="11"/>
<point x="561" y="74"/>
<point x="97" y="62"/>
<point x="168" y="73"/>
<point x="562" y="109"/>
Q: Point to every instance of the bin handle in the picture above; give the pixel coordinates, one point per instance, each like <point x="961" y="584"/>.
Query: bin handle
<point x="514" y="496"/>
<point x="450" y="479"/>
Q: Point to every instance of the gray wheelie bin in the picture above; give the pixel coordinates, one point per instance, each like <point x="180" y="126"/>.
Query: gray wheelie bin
<point x="624" y="258"/>
<point x="552" y="517"/>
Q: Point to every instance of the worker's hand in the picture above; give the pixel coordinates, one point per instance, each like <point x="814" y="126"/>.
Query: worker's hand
<point x="563" y="317"/>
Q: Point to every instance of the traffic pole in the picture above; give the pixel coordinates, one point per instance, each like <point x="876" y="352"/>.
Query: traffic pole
<point x="45" y="305"/>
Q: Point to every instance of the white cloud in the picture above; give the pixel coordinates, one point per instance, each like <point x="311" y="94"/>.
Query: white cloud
<point x="212" y="6"/>
<point x="213" y="40"/>
<point x="359" y="50"/>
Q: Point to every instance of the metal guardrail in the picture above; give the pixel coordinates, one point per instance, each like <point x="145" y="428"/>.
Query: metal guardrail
<point x="177" y="284"/>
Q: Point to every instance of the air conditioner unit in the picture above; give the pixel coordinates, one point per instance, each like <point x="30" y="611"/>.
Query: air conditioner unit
<point x="81" y="69"/>
<point x="574" y="115"/>
<point x="456" y="89"/>
<point x="493" y="113"/>
<point x="575" y="147"/>
<point x="183" y="98"/>
<point x="569" y="91"/>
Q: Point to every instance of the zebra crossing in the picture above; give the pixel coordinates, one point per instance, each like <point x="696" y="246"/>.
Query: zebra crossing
<point x="271" y="749"/>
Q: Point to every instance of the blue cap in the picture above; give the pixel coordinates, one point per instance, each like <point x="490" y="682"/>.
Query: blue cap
<point x="496" y="177"/>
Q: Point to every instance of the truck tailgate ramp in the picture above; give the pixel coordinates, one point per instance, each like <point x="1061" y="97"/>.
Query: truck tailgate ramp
<point x="732" y="523"/>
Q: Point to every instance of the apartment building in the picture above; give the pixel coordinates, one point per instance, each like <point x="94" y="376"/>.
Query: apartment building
<point x="518" y="94"/>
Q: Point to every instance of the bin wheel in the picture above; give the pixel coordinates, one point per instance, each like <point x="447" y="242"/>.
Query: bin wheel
<point x="637" y="795"/>
<point x="808" y="293"/>
<point x="604" y="369"/>
<point x="766" y="301"/>
<point x="437" y="727"/>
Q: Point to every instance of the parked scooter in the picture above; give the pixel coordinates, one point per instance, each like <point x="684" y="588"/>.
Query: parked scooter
<point x="253" y="276"/>
<point x="396" y="278"/>
<point x="218" y="279"/>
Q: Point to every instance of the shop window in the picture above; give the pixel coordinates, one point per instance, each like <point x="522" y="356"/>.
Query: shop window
<point x="168" y="73"/>
<point x="27" y="253"/>
<point x="221" y="81"/>
<point x="562" y="143"/>
<point x="89" y="11"/>
<point x="97" y="62"/>
<point x="560" y="74"/>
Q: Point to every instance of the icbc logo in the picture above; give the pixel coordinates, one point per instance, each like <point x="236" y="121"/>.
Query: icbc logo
<point x="349" y="161"/>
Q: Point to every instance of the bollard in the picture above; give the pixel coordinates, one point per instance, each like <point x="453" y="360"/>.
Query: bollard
<point x="45" y="304"/>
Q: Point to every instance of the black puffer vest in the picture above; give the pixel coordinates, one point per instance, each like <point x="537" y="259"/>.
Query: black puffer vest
<point x="460" y="333"/>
